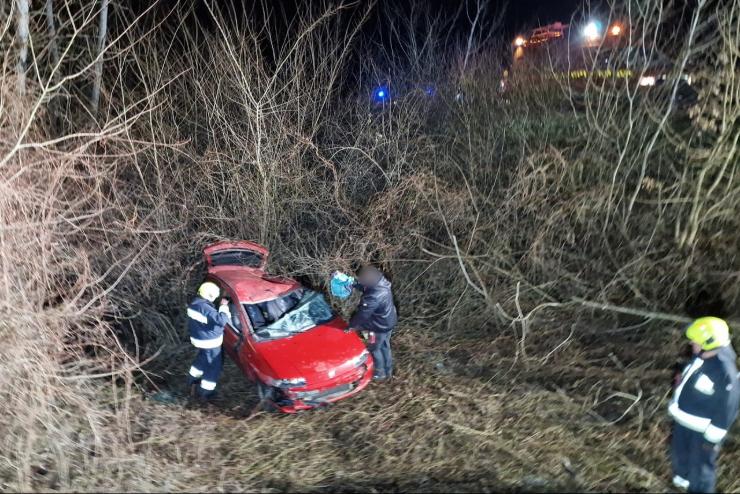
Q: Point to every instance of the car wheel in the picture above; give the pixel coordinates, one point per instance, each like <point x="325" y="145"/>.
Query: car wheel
<point x="267" y="397"/>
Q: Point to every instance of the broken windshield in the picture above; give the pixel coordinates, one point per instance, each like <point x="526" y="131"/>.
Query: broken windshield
<point x="295" y="312"/>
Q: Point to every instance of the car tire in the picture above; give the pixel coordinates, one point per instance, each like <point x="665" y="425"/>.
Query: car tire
<point x="266" y="395"/>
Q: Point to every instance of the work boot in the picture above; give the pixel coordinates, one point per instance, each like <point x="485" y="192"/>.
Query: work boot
<point x="192" y="387"/>
<point x="193" y="390"/>
<point x="206" y="396"/>
<point x="381" y="378"/>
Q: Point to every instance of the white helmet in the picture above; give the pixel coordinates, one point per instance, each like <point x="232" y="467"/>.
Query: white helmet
<point x="209" y="291"/>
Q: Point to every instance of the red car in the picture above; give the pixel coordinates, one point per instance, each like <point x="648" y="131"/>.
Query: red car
<point x="285" y="337"/>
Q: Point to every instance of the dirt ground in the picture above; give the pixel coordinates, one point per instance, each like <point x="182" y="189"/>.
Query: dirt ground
<point x="463" y="414"/>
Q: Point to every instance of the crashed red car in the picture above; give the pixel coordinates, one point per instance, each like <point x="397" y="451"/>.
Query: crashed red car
<point x="285" y="337"/>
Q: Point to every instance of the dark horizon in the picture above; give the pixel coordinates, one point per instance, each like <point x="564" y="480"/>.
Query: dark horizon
<point x="518" y="15"/>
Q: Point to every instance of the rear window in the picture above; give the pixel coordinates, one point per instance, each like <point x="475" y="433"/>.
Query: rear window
<point x="236" y="257"/>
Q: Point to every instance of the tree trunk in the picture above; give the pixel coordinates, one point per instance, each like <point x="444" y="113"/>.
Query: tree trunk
<point x="54" y="50"/>
<point x="102" y="33"/>
<point x="479" y="6"/>
<point x="50" y="25"/>
<point x="22" y="29"/>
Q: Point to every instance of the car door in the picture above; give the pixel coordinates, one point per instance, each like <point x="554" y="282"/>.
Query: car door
<point x="236" y="334"/>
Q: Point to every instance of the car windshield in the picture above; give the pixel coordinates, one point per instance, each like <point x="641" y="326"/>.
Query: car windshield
<point x="295" y="312"/>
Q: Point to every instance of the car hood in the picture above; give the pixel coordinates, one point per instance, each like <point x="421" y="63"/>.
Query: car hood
<point x="317" y="355"/>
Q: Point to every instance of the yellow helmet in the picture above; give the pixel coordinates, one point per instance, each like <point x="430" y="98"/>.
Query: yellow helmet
<point x="709" y="333"/>
<point x="209" y="291"/>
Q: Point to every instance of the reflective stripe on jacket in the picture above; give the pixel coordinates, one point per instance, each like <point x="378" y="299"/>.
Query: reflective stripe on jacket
<point x="206" y="324"/>
<point x="708" y="396"/>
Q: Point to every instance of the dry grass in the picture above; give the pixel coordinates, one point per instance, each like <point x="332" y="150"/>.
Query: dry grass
<point x="459" y="417"/>
<point x="491" y="215"/>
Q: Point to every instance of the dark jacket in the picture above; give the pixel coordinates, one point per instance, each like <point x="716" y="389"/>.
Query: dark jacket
<point x="708" y="396"/>
<point x="206" y="324"/>
<point x="376" y="312"/>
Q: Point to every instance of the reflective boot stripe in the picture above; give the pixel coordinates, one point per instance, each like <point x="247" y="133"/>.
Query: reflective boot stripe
<point x="208" y="385"/>
<point x="195" y="372"/>
<point x="680" y="482"/>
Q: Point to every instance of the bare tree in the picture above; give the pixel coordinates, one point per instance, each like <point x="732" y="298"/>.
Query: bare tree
<point x="102" y="33"/>
<point x="22" y="33"/>
<point x="479" y="8"/>
<point x="51" y="26"/>
<point x="54" y="49"/>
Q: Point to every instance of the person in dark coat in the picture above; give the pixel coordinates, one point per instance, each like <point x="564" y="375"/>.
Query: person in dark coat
<point x="376" y="314"/>
<point x="704" y="405"/>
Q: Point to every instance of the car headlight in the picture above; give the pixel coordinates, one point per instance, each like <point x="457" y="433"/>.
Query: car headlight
<point x="647" y="80"/>
<point x="296" y="382"/>
<point x="360" y="359"/>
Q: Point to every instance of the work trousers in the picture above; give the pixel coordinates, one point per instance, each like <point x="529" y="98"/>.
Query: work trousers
<point x="381" y="351"/>
<point x="206" y="368"/>
<point x="694" y="459"/>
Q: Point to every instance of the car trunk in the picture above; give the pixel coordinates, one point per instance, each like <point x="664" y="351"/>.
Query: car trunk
<point x="242" y="253"/>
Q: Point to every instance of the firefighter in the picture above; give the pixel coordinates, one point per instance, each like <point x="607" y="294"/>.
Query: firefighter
<point x="206" y="326"/>
<point x="377" y="315"/>
<point x="704" y="405"/>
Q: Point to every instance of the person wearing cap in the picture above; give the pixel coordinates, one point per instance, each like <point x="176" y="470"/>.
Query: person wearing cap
<point x="704" y="405"/>
<point x="206" y="327"/>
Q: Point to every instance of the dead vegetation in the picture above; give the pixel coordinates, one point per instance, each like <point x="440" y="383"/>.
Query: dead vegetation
<point x="495" y="216"/>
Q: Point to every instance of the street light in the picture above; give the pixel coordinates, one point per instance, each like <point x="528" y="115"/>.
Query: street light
<point x="592" y="31"/>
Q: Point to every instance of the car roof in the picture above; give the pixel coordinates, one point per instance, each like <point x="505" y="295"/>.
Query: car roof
<point x="252" y="285"/>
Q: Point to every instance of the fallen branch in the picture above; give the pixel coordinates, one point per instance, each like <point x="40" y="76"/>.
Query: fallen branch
<point x="663" y="316"/>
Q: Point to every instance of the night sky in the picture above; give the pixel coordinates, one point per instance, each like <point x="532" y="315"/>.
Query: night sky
<point x="519" y="13"/>
<point x="529" y="12"/>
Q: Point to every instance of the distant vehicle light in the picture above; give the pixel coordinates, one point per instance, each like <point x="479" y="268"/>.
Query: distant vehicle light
<point x="429" y="90"/>
<point x="381" y="94"/>
<point x="592" y="31"/>
<point x="646" y="81"/>
<point x="520" y="41"/>
<point x="616" y="30"/>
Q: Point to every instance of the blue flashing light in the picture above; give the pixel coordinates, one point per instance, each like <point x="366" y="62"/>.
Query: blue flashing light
<point x="381" y="94"/>
<point x="429" y="91"/>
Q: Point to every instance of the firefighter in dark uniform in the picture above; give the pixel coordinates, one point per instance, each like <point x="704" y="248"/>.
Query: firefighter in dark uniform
<point x="206" y="327"/>
<point x="704" y="405"/>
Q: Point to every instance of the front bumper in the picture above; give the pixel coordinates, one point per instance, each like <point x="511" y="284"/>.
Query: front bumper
<point x="296" y="400"/>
